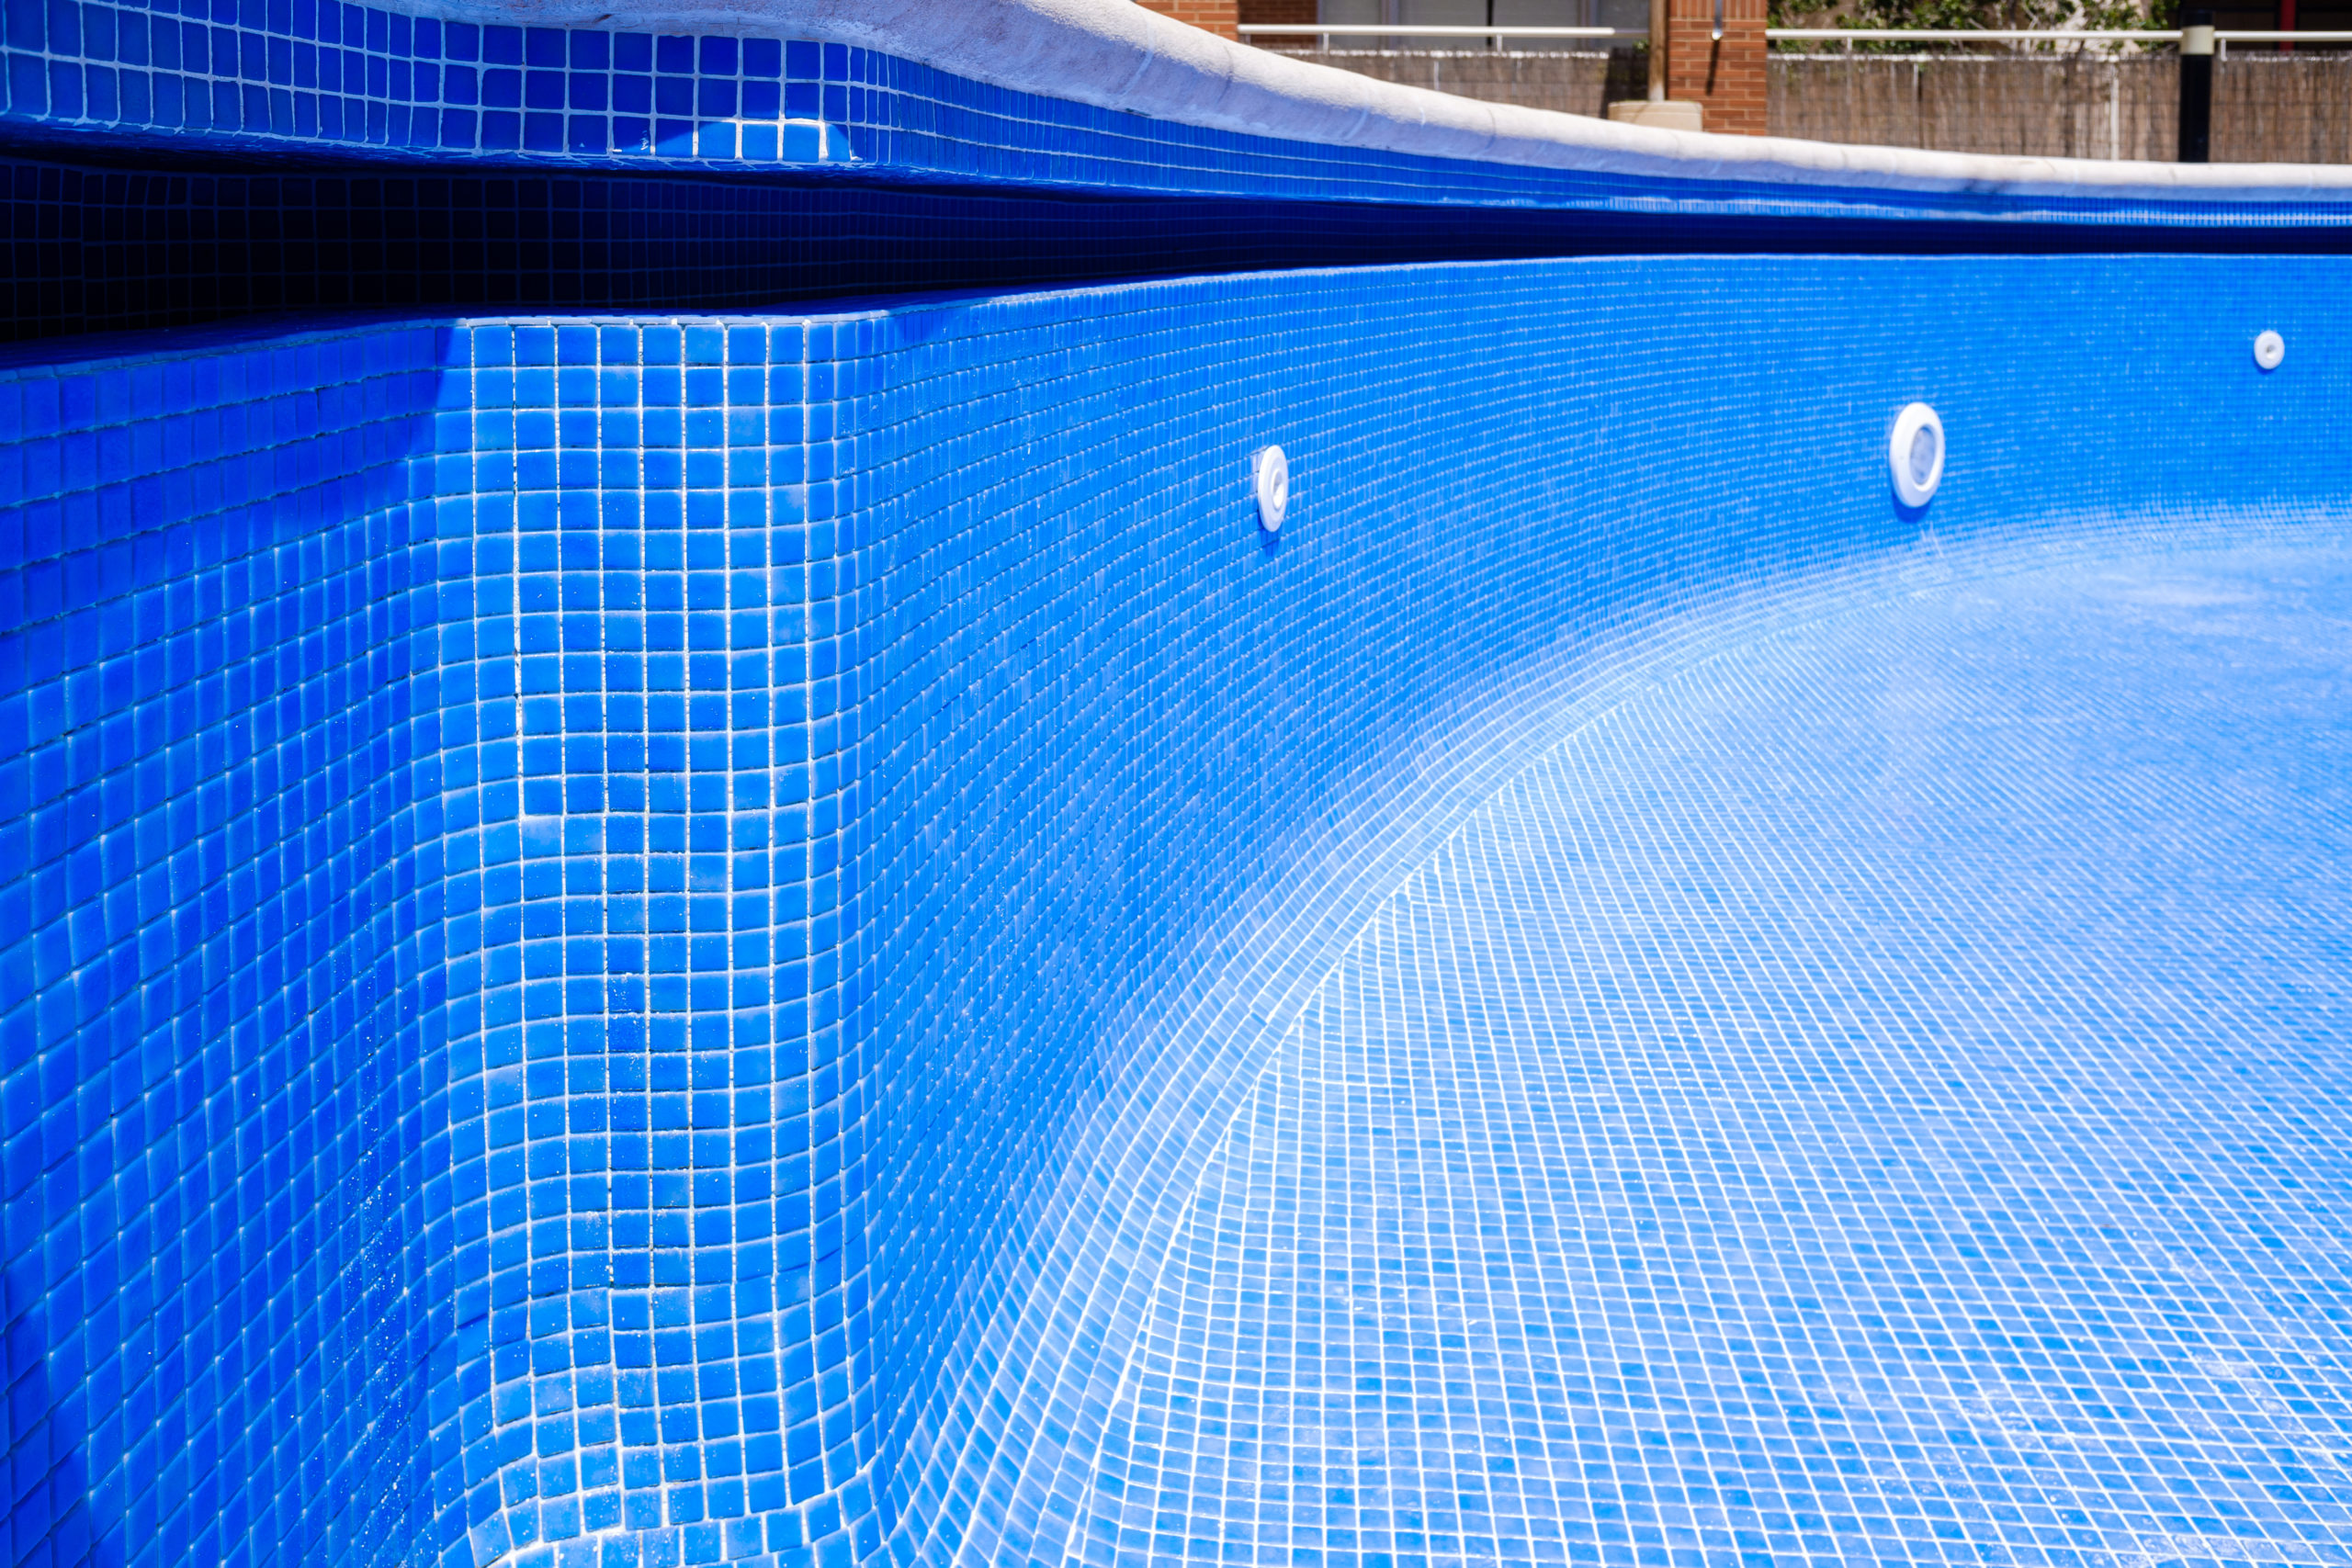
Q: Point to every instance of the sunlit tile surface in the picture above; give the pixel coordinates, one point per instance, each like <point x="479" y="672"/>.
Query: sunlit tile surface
<point x="629" y="941"/>
<point x="1877" y="1096"/>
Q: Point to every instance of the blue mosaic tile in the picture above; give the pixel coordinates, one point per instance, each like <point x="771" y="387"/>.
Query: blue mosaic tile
<point x="633" y="939"/>
<point x="185" y="161"/>
<point x="110" y="249"/>
<point x="319" y="78"/>
<point x="1863" y="1097"/>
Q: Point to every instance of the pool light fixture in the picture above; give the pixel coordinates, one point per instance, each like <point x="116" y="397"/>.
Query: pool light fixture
<point x="2270" y="349"/>
<point x="1914" y="451"/>
<point x="1269" y="482"/>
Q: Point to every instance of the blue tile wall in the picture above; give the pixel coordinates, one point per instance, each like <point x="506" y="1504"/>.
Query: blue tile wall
<point x="182" y="163"/>
<point x="221" y="998"/>
<point x="110" y="249"/>
<point x="1626" y="1198"/>
<point x="318" y="78"/>
<point x="621" y="937"/>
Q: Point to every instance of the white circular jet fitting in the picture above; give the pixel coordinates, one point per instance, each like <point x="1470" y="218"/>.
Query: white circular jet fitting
<point x="1915" y="452"/>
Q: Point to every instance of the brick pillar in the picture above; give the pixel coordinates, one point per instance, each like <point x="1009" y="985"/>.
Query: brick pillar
<point x="1279" y="11"/>
<point x="1211" y="15"/>
<point x="1728" y="77"/>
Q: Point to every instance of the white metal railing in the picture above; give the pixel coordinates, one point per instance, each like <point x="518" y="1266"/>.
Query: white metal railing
<point x="2053" y="35"/>
<point x="1398" y="29"/>
<point x="1980" y="35"/>
<point x="1828" y="35"/>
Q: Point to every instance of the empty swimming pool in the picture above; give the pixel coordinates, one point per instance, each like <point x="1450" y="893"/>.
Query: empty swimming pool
<point x="1871" y="1094"/>
<point x="684" y="877"/>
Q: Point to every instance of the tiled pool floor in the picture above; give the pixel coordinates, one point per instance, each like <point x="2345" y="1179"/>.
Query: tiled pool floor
<point x="1877" y="1096"/>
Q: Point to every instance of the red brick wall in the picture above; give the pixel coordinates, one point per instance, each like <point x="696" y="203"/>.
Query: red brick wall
<point x="1729" y="77"/>
<point x="1215" y="15"/>
<point x="1280" y="11"/>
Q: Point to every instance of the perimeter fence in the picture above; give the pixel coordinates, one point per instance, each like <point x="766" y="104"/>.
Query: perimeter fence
<point x="2267" y="107"/>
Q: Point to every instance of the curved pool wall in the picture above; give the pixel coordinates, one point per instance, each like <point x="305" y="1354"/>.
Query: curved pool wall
<point x="626" y="934"/>
<point x="638" y="924"/>
<point x="185" y="161"/>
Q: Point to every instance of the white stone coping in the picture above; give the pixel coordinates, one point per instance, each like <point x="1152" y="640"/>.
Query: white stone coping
<point x="1116" y="55"/>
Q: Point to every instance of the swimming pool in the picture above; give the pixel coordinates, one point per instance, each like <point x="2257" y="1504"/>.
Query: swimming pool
<point x="640" y="935"/>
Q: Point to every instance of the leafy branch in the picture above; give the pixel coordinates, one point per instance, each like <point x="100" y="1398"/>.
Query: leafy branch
<point x="2133" y="14"/>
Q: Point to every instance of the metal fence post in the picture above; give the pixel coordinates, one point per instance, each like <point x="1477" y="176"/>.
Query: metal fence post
<point x="1659" y="24"/>
<point x="2197" y="87"/>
